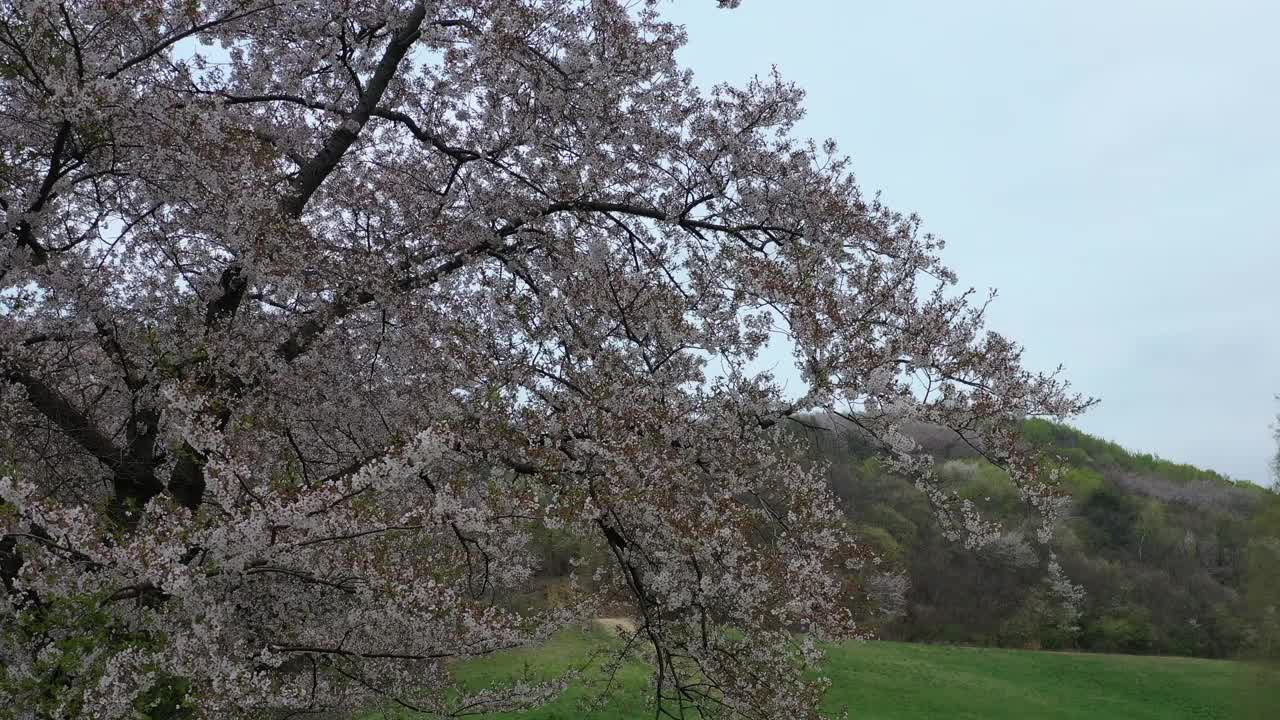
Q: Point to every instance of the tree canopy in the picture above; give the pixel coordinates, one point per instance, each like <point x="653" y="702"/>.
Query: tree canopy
<point x="312" y="314"/>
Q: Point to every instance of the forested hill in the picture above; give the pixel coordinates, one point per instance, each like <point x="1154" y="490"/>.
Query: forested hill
<point x="1174" y="559"/>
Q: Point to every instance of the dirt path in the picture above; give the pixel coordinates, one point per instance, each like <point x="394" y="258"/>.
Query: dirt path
<point x="615" y="624"/>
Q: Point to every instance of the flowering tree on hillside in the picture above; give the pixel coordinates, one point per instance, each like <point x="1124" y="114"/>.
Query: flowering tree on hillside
<point x="312" y="312"/>
<point x="1275" y="459"/>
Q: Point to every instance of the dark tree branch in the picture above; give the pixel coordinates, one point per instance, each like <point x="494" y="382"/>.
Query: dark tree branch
<point x="169" y="40"/>
<point x="313" y="175"/>
<point x="70" y="420"/>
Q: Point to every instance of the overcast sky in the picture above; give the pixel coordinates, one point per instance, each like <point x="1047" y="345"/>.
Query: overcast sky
<point x="1112" y="168"/>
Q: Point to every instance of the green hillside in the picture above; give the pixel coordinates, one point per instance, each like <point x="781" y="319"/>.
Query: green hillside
<point x="899" y="681"/>
<point x="1173" y="559"/>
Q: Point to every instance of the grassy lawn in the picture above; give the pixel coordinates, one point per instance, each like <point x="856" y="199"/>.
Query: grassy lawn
<point x="897" y="681"/>
<point x="893" y="680"/>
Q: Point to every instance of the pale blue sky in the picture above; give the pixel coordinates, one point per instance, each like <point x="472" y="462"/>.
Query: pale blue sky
<point x="1111" y="167"/>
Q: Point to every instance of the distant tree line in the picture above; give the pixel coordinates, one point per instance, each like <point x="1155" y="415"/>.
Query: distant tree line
<point x="1172" y="559"/>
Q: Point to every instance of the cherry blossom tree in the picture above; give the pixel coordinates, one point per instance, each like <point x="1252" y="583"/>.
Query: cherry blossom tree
<point x="311" y="312"/>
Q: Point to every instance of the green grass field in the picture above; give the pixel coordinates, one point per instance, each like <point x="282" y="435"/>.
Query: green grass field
<point x="897" y="681"/>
